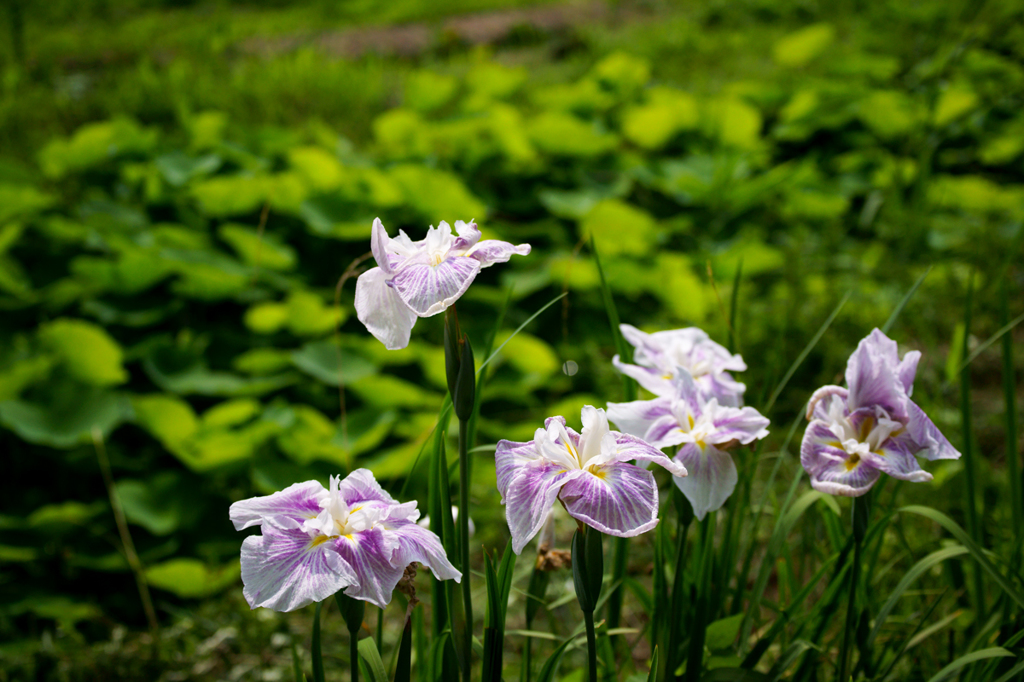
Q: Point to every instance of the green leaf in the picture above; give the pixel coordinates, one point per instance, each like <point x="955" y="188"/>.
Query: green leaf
<point x="22" y="201"/>
<point x="331" y="364"/>
<point x="619" y="228"/>
<point x="169" y="419"/>
<point x="550" y="669"/>
<point x="977" y="552"/>
<point x="369" y="655"/>
<point x="73" y="514"/>
<point x="227" y="195"/>
<point x="437" y="195"/>
<point x="722" y="633"/>
<point x="69" y="421"/>
<point x="191" y="578"/>
<point x="88" y="352"/>
<point x="161" y="504"/>
<point x="967" y="659"/>
<point x="266" y="251"/>
<point x="95" y="143"/>
<point x="178" y="168"/>
<point x="801" y="47"/>
<point x="561" y="134"/>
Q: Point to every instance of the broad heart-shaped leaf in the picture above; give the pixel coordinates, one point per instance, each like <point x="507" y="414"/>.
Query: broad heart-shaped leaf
<point x="191" y="578"/>
<point x="178" y="168"/>
<point x="87" y="351"/>
<point x="162" y="503"/>
<point x="181" y="372"/>
<point x="327" y="362"/>
<point x="722" y="633"/>
<point x="437" y="195"/>
<point x="69" y="421"/>
<point x="265" y="251"/>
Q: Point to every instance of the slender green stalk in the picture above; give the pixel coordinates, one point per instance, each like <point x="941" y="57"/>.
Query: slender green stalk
<point x="588" y="620"/>
<point x="318" y="661"/>
<point x="860" y="519"/>
<point x="467" y="601"/>
<point x="353" y="656"/>
<point x="587" y="575"/>
<point x="695" y="658"/>
<point x="970" y="465"/>
<point x="353" y="611"/>
<point x="380" y="629"/>
<point x="1010" y="411"/>
<point x="678" y="582"/>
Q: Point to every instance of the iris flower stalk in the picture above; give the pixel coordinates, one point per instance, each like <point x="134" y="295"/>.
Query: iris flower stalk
<point x="352" y="540"/>
<point x="859" y="432"/>
<point x="591" y="475"/>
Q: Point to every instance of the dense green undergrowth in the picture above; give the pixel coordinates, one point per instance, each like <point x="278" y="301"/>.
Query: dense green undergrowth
<point x="169" y="277"/>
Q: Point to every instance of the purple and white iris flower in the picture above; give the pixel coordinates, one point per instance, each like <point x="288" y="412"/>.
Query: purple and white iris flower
<point x="660" y="355"/>
<point x="703" y="429"/>
<point x="588" y="473"/>
<point x="871" y="427"/>
<point x="353" y="536"/>
<point x="421" y="279"/>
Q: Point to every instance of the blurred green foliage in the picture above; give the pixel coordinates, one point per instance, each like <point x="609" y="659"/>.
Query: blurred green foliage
<point x="168" y="270"/>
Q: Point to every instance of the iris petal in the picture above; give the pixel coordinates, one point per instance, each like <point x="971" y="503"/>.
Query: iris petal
<point x="529" y="497"/>
<point x="287" y="508"/>
<point x="617" y="499"/>
<point x="369" y="554"/>
<point x="382" y="311"/>
<point x="430" y="289"/>
<point x="285" y="570"/>
<point x="711" y="481"/>
<point x="416" y="543"/>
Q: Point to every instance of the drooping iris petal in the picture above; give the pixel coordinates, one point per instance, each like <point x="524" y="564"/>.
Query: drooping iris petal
<point x="630" y="448"/>
<point x="369" y="553"/>
<point x="382" y="311"/>
<point x="927" y="437"/>
<point x="743" y="425"/>
<point x="712" y="478"/>
<point x="831" y="468"/>
<point x="429" y="289"/>
<point x="617" y="499"/>
<point x="655" y="380"/>
<point x="491" y="251"/>
<point x="286" y="569"/>
<point x="635" y="418"/>
<point x="896" y="458"/>
<point x="287" y="508"/>
<point x="818" y="407"/>
<point x="416" y="543"/>
<point x="529" y="497"/>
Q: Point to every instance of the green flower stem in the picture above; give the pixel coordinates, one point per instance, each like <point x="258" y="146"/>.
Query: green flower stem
<point x="318" y="661"/>
<point x="352" y="611"/>
<point x="588" y="619"/>
<point x="860" y="522"/>
<point x="464" y="546"/>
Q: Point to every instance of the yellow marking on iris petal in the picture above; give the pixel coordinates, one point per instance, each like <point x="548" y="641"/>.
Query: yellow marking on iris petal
<point x="348" y="536"/>
<point x="834" y="444"/>
<point x="355" y="509"/>
<point x="319" y="540"/>
<point x="865" y="428"/>
<point x="852" y="461"/>
<point x="690" y="417"/>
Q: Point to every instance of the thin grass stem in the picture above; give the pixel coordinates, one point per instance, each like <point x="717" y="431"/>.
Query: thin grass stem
<point x="467" y="598"/>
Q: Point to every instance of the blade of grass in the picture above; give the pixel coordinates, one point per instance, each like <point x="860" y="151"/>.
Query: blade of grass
<point x="804" y="353"/>
<point x="903" y="303"/>
<point x="403" y="668"/>
<point x="921" y="567"/>
<point x="1010" y="414"/>
<point x="967" y="659"/>
<point x="910" y="638"/>
<point x="733" y="307"/>
<point x="976" y="551"/>
<point x="520" y="328"/>
<point x="967" y="451"/>
<point x="297" y="664"/>
<point x="1000" y="334"/>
